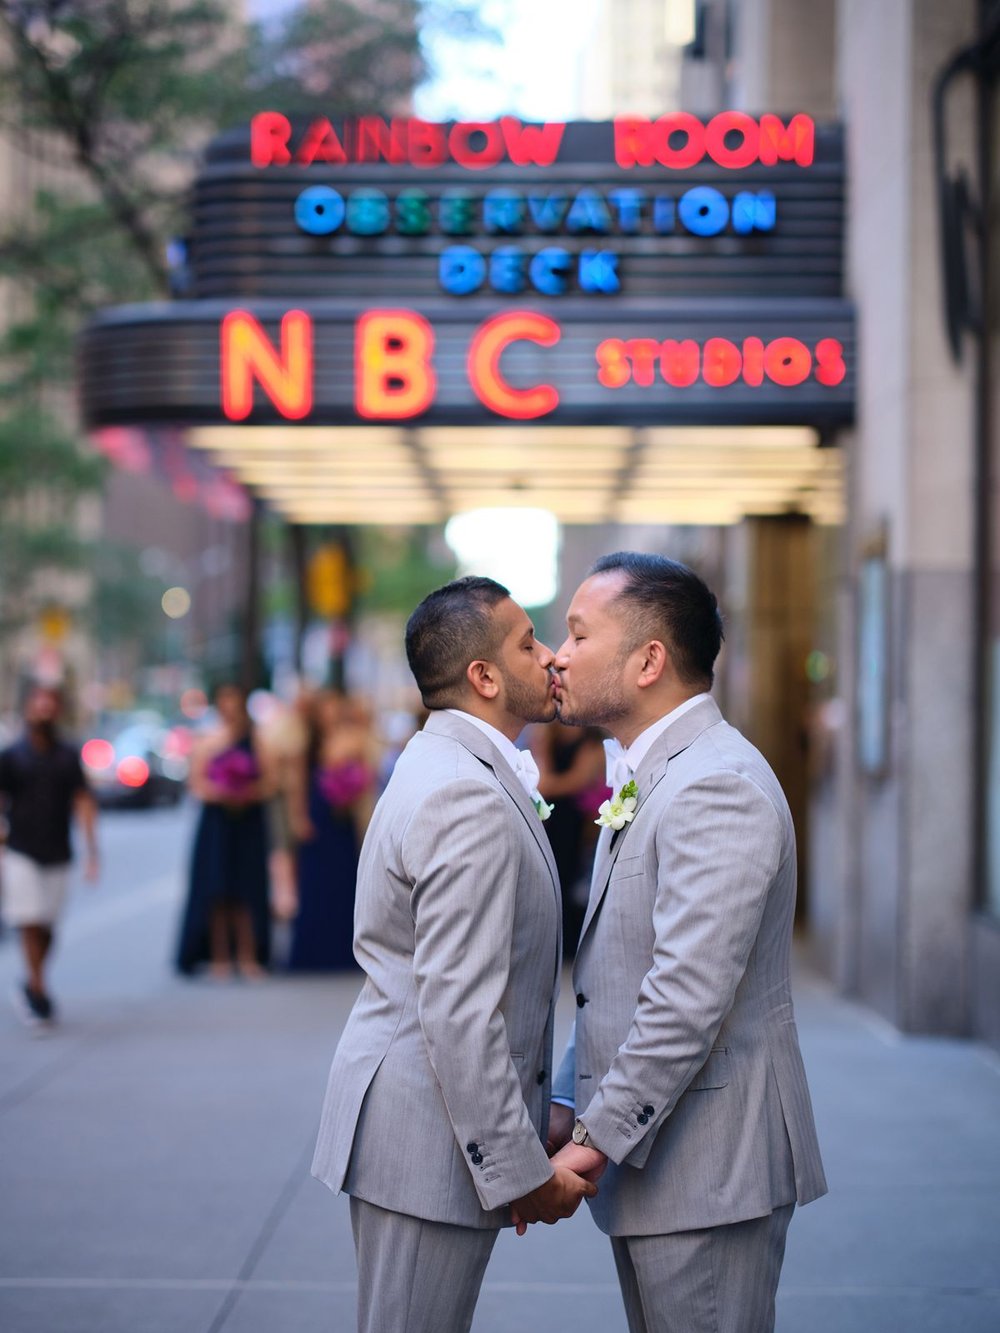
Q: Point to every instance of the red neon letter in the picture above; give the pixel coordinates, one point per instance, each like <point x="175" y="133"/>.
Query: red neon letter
<point x="680" y="362"/>
<point x="693" y="150"/>
<point x="427" y="143"/>
<point x="613" y="367"/>
<point x="393" y="375"/>
<point x="320" y="144"/>
<point x="531" y="145"/>
<point x="488" y="345"/>
<point x="633" y="142"/>
<point x="247" y="354"/>
<point x="269" y="135"/>
<point x="379" y="142"/>
<point x="730" y="122"/>
<point x="753" y="361"/>
<point x="642" y="352"/>
<point x="797" y="143"/>
<point x="721" y="363"/>
<point x="787" y="361"/>
<point x="830" y="368"/>
<point x="476" y="158"/>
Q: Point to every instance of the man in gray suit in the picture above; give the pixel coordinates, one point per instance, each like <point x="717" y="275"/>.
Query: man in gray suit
<point x="437" y="1103"/>
<point x="690" y="1097"/>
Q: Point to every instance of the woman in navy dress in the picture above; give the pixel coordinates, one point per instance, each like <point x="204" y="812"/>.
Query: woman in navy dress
<point x="226" y="917"/>
<point x="334" y="786"/>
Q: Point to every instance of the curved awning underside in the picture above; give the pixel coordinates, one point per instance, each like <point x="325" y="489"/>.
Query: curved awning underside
<point x="681" y="475"/>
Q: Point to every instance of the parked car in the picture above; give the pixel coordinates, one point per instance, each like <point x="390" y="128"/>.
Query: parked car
<point x="137" y="760"/>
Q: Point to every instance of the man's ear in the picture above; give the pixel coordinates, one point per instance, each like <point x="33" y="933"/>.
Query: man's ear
<point x="482" y="676"/>
<point x="655" y="662"/>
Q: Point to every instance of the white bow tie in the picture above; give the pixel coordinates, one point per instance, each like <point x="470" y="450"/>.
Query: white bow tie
<point x="617" y="767"/>
<point x="527" y="771"/>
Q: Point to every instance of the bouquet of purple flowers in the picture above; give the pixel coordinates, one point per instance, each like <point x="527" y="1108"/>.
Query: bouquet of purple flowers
<point x="341" y="786"/>
<point x="233" y="770"/>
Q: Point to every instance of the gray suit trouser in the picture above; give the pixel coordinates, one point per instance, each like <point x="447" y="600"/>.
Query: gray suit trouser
<point x="721" y="1280"/>
<point x="416" y="1276"/>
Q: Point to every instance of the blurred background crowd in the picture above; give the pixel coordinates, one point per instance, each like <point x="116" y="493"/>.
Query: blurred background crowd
<point x="281" y="791"/>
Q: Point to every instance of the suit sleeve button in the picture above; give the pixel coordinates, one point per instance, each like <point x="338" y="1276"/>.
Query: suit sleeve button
<point x="648" y="1110"/>
<point x="477" y="1159"/>
<point x="642" y="1118"/>
<point x="540" y="1077"/>
<point x="472" y="1147"/>
<point x="581" y="1000"/>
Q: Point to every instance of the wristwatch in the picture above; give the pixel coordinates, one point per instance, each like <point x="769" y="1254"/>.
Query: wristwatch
<point x="580" y="1136"/>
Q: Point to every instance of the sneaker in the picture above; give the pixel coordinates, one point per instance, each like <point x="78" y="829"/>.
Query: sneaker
<point x="43" y="1006"/>
<point x="34" y="1008"/>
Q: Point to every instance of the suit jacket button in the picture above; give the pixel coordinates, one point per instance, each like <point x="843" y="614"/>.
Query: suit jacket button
<point x="642" y="1118"/>
<point x="472" y="1147"/>
<point x="648" y="1110"/>
<point x="477" y="1159"/>
<point x="581" y="1000"/>
<point x="540" y="1077"/>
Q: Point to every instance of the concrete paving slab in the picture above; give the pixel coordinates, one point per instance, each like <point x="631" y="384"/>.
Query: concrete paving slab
<point x="94" y="1228"/>
<point x="311" y="1241"/>
<point x="502" y="1309"/>
<point x="886" y="1312"/>
<point x="548" y="1256"/>
<point x="899" y="1237"/>
<point x="290" y="1310"/>
<point x="98" y="1310"/>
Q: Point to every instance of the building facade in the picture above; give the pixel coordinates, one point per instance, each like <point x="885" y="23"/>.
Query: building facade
<point x="904" y="876"/>
<point x="865" y="659"/>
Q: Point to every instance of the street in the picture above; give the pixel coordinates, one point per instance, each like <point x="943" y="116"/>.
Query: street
<point x="154" y="1152"/>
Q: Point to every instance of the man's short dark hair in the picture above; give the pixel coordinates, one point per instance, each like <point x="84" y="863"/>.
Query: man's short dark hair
<point x="452" y="627"/>
<point x="663" y="599"/>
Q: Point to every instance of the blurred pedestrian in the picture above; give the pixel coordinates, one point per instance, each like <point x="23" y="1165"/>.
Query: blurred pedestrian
<point x="571" y="776"/>
<point x="43" y="788"/>
<point x="227" y="915"/>
<point x="334" y="791"/>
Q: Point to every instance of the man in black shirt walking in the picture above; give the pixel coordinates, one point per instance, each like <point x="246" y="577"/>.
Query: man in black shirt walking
<point x="43" y="787"/>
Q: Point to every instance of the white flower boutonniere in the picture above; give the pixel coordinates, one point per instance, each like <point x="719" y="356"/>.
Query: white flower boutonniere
<point x="619" y="810"/>
<point x="543" y="808"/>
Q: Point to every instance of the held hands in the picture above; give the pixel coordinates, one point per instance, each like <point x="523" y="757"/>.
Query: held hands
<point x="559" y="1197"/>
<point x="587" y="1162"/>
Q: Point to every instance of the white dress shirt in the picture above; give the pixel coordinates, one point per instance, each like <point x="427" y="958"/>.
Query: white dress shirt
<point x="623" y="763"/>
<point x="521" y="761"/>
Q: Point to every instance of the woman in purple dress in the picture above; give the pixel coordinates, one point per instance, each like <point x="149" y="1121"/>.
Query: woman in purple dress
<point x="334" y="786"/>
<point x="226" y="917"/>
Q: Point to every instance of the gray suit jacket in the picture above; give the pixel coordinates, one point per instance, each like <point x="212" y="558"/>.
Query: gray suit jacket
<point x="438" y="1097"/>
<point x="686" y="1067"/>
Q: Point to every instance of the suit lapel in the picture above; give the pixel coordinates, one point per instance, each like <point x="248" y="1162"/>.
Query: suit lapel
<point x="677" y="737"/>
<point x="479" y="744"/>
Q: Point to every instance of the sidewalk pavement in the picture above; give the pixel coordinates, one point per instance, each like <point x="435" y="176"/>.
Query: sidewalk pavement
<point x="154" y="1165"/>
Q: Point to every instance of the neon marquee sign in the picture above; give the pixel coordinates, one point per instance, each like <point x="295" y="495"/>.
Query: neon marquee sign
<point x="638" y="272"/>
<point x="678" y="141"/>
<point x="395" y="377"/>
<point x="731" y="140"/>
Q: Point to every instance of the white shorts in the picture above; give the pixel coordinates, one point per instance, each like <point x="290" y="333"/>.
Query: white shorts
<point x="31" y="894"/>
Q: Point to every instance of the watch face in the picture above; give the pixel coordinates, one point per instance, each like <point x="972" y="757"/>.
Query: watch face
<point x="579" y="1133"/>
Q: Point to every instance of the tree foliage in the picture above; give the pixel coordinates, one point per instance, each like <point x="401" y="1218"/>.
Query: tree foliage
<point x="402" y="565"/>
<point x="114" y="99"/>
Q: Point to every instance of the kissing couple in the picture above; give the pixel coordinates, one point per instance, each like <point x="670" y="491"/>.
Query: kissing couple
<point x="680" y="1110"/>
